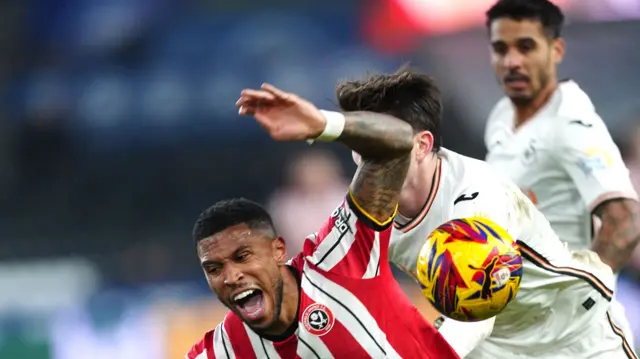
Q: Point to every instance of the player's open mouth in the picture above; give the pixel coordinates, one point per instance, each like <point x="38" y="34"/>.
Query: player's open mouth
<point x="250" y="303"/>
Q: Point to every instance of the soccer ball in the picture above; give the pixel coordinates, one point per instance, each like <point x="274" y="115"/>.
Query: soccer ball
<point x="470" y="269"/>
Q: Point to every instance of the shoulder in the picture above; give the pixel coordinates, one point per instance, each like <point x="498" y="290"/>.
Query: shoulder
<point x="572" y="100"/>
<point x="467" y="177"/>
<point x="224" y="331"/>
<point x="574" y="109"/>
<point x="463" y="171"/>
<point x="583" y="131"/>
<point x="203" y="348"/>
<point x="572" y="120"/>
<point x="297" y="262"/>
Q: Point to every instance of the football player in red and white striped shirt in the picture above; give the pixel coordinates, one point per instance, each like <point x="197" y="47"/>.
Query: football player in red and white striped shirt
<point x="338" y="298"/>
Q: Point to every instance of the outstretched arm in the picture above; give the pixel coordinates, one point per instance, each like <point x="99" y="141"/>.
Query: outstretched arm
<point x="383" y="141"/>
<point x="354" y="241"/>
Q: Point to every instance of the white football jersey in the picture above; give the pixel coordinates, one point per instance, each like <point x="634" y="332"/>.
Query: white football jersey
<point x="563" y="158"/>
<point x="561" y="292"/>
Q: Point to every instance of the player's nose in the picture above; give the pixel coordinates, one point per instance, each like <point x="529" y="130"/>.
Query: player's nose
<point x="232" y="275"/>
<point x="513" y="60"/>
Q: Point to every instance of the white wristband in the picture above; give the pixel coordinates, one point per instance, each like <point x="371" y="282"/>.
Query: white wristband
<point x="333" y="128"/>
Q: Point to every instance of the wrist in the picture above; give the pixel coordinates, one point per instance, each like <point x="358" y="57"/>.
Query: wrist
<point x="334" y="126"/>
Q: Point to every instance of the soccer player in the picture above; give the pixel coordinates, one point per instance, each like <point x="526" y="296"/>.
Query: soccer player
<point x="338" y="298"/>
<point x="561" y="309"/>
<point x="546" y="135"/>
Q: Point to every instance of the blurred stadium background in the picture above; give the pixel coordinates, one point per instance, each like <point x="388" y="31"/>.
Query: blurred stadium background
<point x="118" y="127"/>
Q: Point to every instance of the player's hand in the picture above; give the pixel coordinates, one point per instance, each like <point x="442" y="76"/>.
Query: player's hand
<point x="285" y="116"/>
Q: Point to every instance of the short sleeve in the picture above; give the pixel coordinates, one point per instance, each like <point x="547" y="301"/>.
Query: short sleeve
<point x="586" y="151"/>
<point x="204" y="348"/>
<point x="350" y="243"/>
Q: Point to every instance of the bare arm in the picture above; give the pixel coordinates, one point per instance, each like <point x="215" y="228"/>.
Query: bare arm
<point x="384" y="143"/>
<point x="620" y="232"/>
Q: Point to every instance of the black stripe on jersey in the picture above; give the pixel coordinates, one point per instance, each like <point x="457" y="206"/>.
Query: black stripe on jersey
<point x="364" y="217"/>
<point x="540" y="261"/>
<point x="626" y="347"/>
<point x="310" y="348"/>
<point x="335" y="245"/>
<point x="224" y="345"/>
<point x="349" y="311"/>
<point x="264" y="348"/>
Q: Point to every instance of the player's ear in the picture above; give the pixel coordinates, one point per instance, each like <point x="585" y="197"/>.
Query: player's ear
<point x="558" y="49"/>
<point x="279" y="250"/>
<point x="422" y="145"/>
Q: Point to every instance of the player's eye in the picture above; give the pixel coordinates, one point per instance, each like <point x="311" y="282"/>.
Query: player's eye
<point x="213" y="270"/>
<point x="499" y="48"/>
<point x="242" y="256"/>
<point x="526" y="46"/>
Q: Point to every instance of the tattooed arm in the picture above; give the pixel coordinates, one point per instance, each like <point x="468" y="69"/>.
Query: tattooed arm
<point x="620" y="231"/>
<point x="384" y="143"/>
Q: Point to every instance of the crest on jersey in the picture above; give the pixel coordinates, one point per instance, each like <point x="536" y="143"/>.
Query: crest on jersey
<point x="318" y="319"/>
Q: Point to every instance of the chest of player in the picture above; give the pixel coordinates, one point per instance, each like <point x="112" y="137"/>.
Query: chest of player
<point x="527" y="157"/>
<point x="341" y="317"/>
<point x="324" y="331"/>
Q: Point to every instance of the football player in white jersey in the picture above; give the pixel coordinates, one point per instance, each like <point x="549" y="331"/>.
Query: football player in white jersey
<point x="547" y="137"/>
<point x="561" y="310"/>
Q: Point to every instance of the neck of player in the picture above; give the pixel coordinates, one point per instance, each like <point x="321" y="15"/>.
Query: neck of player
<point x="526" y="112"/>
<point x="289" y="311"/>
<point x="417" y="187"/>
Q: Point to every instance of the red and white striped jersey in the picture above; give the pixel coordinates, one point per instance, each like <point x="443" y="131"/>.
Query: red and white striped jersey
<point x="350" y="304"/>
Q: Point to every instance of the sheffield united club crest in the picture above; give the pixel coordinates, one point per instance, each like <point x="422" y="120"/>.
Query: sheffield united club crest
<point x="318" y="319"/>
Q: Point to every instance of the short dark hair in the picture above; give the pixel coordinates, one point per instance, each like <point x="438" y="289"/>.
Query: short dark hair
<point x="231" y="212"/>
<point x="548" y="13"/>
<point x="410" y="96"/>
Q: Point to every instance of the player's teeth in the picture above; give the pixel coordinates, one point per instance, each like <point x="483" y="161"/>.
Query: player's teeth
<point x="243" y="294"/>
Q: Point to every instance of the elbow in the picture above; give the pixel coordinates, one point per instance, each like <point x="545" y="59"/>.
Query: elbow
<point x="633" y="218"/>
<point x="398" y="136"/>
<point x="405" y="138"/>
<point x="377" y="135"/>
<point x="392" y="136"/>
<point x="620" y="232"/>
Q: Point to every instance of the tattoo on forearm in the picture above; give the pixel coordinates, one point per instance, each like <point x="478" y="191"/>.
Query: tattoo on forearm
<point x="377" y="184"/>
<point x="620" y="232"/>
<point x="375" y="135"/>
<point x="384" y="143"/>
